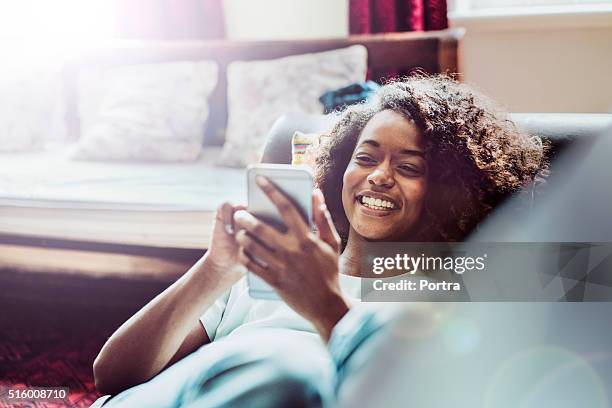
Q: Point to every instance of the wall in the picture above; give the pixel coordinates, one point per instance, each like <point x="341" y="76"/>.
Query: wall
<point x="541" y="64"/>
<point x="286" y="19"/>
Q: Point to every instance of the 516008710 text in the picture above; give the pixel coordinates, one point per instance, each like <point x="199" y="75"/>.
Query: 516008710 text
<point x="35" y="394"/>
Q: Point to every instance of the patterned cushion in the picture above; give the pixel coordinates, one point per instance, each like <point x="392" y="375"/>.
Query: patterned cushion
<point x="305" y="146"/>
<point x="261" y="91"/>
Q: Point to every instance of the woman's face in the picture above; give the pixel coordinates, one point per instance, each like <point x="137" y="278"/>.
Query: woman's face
<point x="385" y="183"/>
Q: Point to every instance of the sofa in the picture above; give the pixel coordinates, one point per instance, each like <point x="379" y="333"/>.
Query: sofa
<point x="151" y="220"/>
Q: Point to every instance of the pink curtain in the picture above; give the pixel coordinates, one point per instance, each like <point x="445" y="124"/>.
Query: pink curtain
<point x="169" y="19"/>
<point x="384" y="16"/>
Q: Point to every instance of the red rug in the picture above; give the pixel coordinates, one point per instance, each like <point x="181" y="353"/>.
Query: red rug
<point x="51" y="346"/>
<point x="53" y="326"/>
<point x="49" y="358"/>
<point x="46" y="345"/>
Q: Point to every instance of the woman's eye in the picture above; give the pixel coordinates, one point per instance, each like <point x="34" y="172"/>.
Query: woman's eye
<point x="364" y="159"/>
<point x="410" y="170"/>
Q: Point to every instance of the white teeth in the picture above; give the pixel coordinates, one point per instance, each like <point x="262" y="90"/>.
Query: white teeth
<point x="376" y="203"/>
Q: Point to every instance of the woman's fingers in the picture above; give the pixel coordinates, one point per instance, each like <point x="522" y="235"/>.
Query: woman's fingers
<point x="226" y="215"/>
<point x="323" y="221"/>
<point x="253" y="266"/>
<point x="257" y="250"/>
<point x="257" y="228"/>
<point x="291" y="216"/>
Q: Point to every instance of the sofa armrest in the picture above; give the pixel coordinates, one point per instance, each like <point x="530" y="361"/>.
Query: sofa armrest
<point x="562" y="129"/>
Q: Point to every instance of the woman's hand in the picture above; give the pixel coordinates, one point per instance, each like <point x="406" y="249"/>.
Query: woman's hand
<point x="301" y="265"/>
<point x="222" y="254"/>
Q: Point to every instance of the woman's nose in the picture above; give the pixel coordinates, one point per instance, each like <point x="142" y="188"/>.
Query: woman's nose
<point x="382" y="176"/>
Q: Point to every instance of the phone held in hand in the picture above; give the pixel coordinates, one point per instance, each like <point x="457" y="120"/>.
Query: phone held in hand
<point x="296" y="182"/>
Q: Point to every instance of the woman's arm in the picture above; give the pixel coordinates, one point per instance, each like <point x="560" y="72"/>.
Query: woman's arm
<point x="168" y="327"/>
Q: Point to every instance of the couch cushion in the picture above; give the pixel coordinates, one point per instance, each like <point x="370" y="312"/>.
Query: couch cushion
<point x="151" y="112"/>
<point x="260" y="91"/>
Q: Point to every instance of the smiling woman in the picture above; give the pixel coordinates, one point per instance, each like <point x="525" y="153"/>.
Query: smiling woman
<point x="437" y="154"/>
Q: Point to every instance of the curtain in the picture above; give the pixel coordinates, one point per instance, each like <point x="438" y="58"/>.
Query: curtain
<point x="169" y="19"/>
<point x="387" y="16"/>
<point x="384" y="16"/>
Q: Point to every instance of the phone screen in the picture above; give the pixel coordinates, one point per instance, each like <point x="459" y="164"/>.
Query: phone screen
<point x="297" y="184"/>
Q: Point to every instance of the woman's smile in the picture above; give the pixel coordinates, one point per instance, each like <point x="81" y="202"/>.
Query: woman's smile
<point x="376" y="204"/>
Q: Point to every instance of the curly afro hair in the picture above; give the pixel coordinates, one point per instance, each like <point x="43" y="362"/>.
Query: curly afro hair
<point x="477" y="157"/>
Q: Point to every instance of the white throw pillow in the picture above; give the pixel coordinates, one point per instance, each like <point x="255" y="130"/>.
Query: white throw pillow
<point x="151" y="112"/>
<point x="31" y="105"/>
<point x="261" y="91"/>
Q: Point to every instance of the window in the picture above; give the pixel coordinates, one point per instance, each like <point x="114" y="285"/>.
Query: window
<point x="526" y="6"/>
<point x="504" y="15"/>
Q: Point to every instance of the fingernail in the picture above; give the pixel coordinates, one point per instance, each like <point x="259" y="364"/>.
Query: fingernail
<point x="229" y="229"/>
<point x="261" y="181"/>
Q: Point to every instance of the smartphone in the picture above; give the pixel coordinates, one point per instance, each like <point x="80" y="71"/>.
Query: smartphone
<point x="296" y="182"/>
